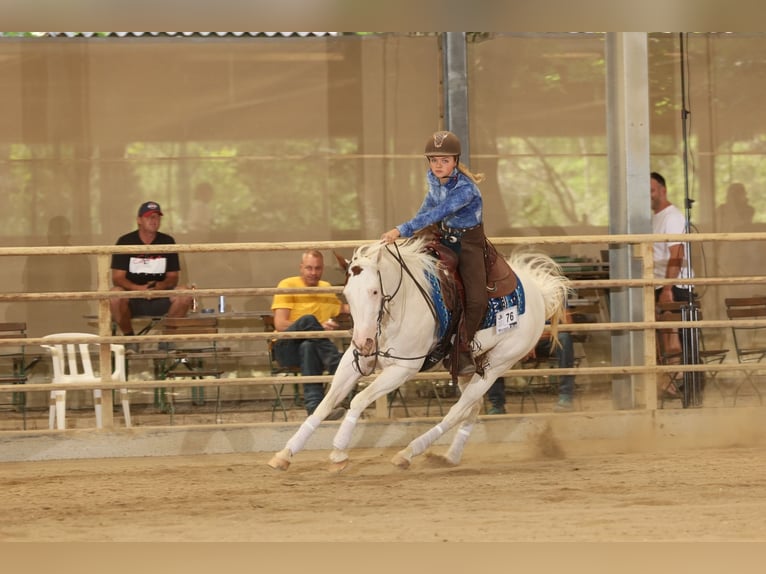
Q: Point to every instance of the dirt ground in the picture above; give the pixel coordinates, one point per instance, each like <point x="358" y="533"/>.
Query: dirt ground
<point x="494" y="495"/>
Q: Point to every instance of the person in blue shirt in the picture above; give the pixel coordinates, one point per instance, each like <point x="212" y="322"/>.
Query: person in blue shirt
<point x="454" y="203"/>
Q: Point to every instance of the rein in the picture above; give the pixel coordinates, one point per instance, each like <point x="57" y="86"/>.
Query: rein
<point x="384" y="309"/>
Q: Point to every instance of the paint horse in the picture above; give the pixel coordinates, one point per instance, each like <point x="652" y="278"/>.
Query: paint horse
<point x="397" y="322"/>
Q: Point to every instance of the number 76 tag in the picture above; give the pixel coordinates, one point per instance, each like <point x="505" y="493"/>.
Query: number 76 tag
<point x="506" y="319"/>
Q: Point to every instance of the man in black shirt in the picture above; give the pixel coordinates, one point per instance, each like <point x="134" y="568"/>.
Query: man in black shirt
<point x="146" y="272"/>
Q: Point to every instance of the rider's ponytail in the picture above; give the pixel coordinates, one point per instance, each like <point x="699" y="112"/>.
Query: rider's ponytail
<point x="474" y="177"/>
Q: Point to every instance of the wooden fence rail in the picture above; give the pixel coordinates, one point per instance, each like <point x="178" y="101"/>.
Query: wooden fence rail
<point x="647" y="372"/>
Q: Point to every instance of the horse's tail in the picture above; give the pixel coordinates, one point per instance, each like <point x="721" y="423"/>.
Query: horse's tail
<point x="551" y="282"/>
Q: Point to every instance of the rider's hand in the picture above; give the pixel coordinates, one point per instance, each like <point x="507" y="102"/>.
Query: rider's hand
<point x="390" y="236"/>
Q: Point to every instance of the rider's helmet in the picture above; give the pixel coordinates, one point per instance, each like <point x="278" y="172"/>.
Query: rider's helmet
<point x="443" y="143"/>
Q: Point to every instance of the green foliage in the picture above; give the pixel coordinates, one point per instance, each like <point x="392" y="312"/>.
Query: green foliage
<point x="556" y="182"/>
<point x="258" y="186"/>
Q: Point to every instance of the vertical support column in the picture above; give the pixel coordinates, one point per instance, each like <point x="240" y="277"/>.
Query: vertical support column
<point x="456" y="90"/>
<point x="627" y="93"/>
<point x="375" y="133"/>
<point x="105" y="330"/>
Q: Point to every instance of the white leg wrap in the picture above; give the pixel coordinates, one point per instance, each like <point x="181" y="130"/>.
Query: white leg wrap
<point x="455" y="452"/>
<point x="343" y="436"/>
<point x="420" y="444"/>
<point x="298" y="440"/>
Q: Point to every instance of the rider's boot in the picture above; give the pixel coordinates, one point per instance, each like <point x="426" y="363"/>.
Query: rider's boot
<point x="465" y="364"/>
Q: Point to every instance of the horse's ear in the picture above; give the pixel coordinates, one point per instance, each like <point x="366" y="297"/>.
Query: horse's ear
<point x="342" y="261"/>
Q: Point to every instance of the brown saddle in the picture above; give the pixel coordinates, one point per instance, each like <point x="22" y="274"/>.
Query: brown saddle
<point x="501" y="281"/>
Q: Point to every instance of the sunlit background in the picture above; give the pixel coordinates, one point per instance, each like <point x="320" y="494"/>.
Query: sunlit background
<point x="255" y="137"/>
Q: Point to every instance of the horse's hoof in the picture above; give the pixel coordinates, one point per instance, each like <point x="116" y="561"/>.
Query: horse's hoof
<point x="279" y="463"/>
<point x="400" y="461"/>
<point x="336" y="467"/>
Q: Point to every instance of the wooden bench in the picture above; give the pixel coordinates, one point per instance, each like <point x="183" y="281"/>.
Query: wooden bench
<point x="188" y="360"/>
<point x="20" y="364"/>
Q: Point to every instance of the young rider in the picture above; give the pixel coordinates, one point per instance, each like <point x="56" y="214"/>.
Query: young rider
<point x="454" y="203"/>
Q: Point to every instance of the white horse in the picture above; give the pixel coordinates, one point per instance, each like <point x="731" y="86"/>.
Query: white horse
<point x="396" y="326"/>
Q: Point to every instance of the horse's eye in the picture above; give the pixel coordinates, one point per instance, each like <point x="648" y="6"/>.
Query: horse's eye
<point x="375" y="292"/>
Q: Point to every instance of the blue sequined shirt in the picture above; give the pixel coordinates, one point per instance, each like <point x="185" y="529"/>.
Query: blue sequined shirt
<point x="457" y="203"/>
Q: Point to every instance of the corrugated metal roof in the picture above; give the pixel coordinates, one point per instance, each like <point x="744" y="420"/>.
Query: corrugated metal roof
<point x="185" y="34"/>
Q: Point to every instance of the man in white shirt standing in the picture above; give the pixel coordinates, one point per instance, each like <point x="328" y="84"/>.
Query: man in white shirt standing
<point x="670" y="260"/>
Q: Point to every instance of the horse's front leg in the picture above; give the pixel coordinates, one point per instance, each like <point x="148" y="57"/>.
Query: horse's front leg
<point x="391" y="378"/>
<point x="463" y="411"/>
<point x="343" y="381"/>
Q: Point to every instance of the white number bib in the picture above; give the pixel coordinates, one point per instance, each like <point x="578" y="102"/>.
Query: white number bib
<point x="507" y="318"/>
<point x="148" y="265"/>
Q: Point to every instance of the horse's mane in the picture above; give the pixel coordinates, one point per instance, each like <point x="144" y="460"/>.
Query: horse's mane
<point x="412" y="253"/>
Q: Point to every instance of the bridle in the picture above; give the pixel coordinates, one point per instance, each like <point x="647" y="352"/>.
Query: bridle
<point x="384" y="308"/>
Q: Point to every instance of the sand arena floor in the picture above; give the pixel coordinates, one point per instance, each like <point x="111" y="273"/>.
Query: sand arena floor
<point x="498" y="493"/>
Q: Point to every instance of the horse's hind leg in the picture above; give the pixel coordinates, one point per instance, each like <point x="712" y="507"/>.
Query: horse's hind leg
<point x="419" y="445"/>
<point x="465" y="410"/>
<point x="455" y="451"/>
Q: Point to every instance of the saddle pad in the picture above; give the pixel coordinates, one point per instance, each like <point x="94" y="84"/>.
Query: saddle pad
<point x="441" y="308"/>
<point x="515" y="297"/>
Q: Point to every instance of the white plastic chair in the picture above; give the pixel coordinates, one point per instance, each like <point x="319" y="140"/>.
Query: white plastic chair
<point x="69" y="366"/>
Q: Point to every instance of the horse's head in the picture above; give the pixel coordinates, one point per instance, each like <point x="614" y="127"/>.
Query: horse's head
<point x="388" y="291"/>
<point x="364" y="294"/>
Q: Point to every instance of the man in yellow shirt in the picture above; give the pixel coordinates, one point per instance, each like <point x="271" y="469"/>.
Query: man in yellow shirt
<point x="308" y="312"/>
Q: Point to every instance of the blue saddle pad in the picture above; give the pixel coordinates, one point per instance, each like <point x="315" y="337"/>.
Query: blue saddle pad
<point x="441" y="309"/>
<point x="495" y="304"/>
<point x="499" y="303"/>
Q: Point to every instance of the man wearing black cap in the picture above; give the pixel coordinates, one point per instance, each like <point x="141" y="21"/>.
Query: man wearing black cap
<point x="146" y="272"/>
